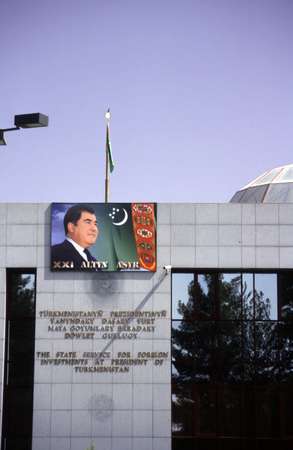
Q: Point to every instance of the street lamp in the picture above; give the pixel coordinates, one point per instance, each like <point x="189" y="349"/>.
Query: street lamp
<point x="34" y="120"/>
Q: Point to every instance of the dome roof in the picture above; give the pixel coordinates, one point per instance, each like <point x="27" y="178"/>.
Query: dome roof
<point x="273" y="186"/>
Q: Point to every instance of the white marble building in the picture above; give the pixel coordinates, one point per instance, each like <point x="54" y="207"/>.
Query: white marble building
<point x="73" y="410"/>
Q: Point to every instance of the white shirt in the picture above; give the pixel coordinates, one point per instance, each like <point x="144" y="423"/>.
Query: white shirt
<point x="78" y="248"/>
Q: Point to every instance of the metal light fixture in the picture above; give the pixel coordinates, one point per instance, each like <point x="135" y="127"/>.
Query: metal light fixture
<point x="34" y="120"/>
<point x="31" y="120"/>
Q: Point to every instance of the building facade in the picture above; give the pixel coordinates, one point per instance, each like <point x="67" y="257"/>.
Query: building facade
<point x="87" y="357"/>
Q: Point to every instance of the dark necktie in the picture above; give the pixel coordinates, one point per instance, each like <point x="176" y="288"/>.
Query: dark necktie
<point x="89" y="256"/>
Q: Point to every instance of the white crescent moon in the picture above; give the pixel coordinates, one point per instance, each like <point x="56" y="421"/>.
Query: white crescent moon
<point x="123" y="221"/>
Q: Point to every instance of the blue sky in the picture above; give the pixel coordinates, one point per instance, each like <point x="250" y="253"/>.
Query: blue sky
<point x="201" y="94"/>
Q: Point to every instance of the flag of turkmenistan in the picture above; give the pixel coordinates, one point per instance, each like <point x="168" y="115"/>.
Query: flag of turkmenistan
<point x="109" y="150"/>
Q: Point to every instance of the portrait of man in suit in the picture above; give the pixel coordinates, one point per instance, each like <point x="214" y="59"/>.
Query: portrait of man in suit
<point x="81" y="231"/>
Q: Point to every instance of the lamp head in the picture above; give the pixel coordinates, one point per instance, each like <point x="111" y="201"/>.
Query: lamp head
<point x="31" y="120"/>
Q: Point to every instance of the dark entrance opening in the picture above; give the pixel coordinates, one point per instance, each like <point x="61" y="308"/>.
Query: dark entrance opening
<point x="19" y="360"/>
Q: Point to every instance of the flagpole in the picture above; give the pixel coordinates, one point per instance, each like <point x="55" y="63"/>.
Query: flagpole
<point x="107" y="179"/>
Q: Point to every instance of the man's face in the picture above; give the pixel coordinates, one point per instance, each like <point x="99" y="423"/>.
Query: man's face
<point x="86" y="231"/>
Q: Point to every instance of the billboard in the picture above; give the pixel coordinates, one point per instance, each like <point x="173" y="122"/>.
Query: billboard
<point x="103" y="237"/>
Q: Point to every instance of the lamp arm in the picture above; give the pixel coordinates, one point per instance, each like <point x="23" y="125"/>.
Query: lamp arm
<point x="9" y="129"/>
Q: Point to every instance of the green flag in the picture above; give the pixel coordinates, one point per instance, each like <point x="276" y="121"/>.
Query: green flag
<point x="109" y="150"/>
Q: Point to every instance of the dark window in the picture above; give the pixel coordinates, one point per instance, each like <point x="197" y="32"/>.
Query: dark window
<point x="19" y="360"/>
<point x="230" y="296"/>
<point x="265" y="296"/>
<point x="286" y="295"/>
<point x="232" y="353"/>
